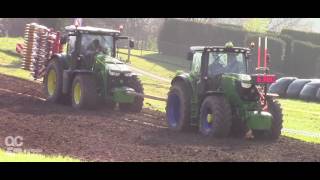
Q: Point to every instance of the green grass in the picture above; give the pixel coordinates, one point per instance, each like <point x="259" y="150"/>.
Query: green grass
<point x="154" y="88"/>
<point x="31" y="157"/>
<point x="300" y="115"/>
<point x="161" y="65"/>
<point x="9" y="60"/>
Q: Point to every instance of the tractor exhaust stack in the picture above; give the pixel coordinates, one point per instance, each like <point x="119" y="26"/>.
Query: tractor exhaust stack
<point x="265" y="51"/>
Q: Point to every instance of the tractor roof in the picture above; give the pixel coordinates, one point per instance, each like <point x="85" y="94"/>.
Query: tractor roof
<point x="89" y="29"/>
<point x="220" y="49"/>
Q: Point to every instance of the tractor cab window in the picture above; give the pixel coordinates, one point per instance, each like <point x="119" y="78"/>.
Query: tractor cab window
<point x="226" y="62"/>
<point x="96" y="43"/>
<point x="71" y="44"/>
<point x="196" y="63"/>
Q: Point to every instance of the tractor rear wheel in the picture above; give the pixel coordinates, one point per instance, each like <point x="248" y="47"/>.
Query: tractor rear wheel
<point x="215" y="117"/>
<point x="137" y="104"/>
<point x="84" y="92"/>
<point x="178" y="107"/>
<point x="52" y="82"/>
<point x="275" y="131"/>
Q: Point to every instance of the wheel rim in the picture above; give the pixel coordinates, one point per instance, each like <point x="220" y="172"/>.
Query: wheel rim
<point x="77" y="93"/>
<point x="173" y="114"/>
<point x="52" y="82"/>
<point x="207" y="122"/>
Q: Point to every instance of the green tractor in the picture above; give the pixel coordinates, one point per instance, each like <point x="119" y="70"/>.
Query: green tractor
<point x="219" y="97"/>
<point x="89" y="73"/>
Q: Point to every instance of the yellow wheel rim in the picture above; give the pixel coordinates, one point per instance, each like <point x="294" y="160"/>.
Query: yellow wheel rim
<point x="210" y="118"/>
<point x="52" y="82"/>
<point x="77" y="93"/>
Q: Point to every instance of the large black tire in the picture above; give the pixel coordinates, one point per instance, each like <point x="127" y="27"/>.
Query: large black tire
<point x="137" y="105"/>
<point x="318" y="95"/>
<point x="220" y="109"/>
<point x="281" y="85"/>
<point x="275" y="131"/>
<point x="56" y="95"/>
<point x="295" y="87"/>
<point x="239" y="128"/>
<point x="178" y="107"/>
<point x="89" y="95"/>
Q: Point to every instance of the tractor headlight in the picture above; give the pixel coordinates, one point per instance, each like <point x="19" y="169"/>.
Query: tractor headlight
<point x="114" y="73"/>
<point x="246" y="85"/>
<point x="245" y="77"/>
<point x="127" y="74"/>
<point x="245" y="80"/>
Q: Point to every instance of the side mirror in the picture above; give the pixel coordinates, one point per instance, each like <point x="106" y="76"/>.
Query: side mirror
<point x="131" y="44"/>
<point x="190" y="56"/>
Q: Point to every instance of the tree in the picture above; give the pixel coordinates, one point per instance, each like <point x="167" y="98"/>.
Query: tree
<point x="260" y="25"/>
<point x="55" y="23"/>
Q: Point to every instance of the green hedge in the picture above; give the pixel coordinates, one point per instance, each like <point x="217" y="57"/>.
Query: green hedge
<point x="293" y="53"/>
<point x="302" y="36"/>
<point x="303" y="60"/>
<point x="177" y="36"/>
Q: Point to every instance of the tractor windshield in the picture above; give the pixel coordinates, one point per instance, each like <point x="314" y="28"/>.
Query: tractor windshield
<point x="96" y="43"/>
<point x="226" y="62"/>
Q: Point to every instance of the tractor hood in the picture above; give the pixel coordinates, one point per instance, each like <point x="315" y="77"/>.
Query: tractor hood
<point x="241" y="77"/>
<point x="113" y="64"/>
<point x="245" y="80"/>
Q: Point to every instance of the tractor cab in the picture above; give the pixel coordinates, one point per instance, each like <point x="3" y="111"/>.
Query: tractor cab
<point x="85" y="43"/>
<point x="210" y="63"/>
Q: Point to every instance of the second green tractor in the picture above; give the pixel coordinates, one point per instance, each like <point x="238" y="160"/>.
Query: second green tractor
<point x="221" y="98"/>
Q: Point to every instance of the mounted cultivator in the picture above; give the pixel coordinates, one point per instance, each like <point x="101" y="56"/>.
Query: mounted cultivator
<point x="40" y="43"/>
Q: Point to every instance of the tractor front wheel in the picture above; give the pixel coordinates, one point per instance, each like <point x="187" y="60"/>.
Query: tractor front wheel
<point x="275" y="131"/>
<point x="215" y="117"/>
<point x="84" y="93"/>
<point x="178" y="107"/>
<point x="137" y="104"/>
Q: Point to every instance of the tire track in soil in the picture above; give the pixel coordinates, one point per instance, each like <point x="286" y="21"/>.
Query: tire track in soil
<point x="105" y="135"/>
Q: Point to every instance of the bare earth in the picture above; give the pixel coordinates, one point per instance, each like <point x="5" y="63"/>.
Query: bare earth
<point x="105" y="135"/>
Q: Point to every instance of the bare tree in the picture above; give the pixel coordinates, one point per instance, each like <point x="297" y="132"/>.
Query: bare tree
<point x="277" y="24"/>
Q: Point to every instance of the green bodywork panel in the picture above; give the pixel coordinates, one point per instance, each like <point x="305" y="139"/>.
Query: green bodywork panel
<point x="259" y="120"/>
<point x="120" y="95"/>
<point x="228" y="85"/>
<point x="104" y="64"/>
<point x="101" y="67"/>
<point x="255" y="120"/>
